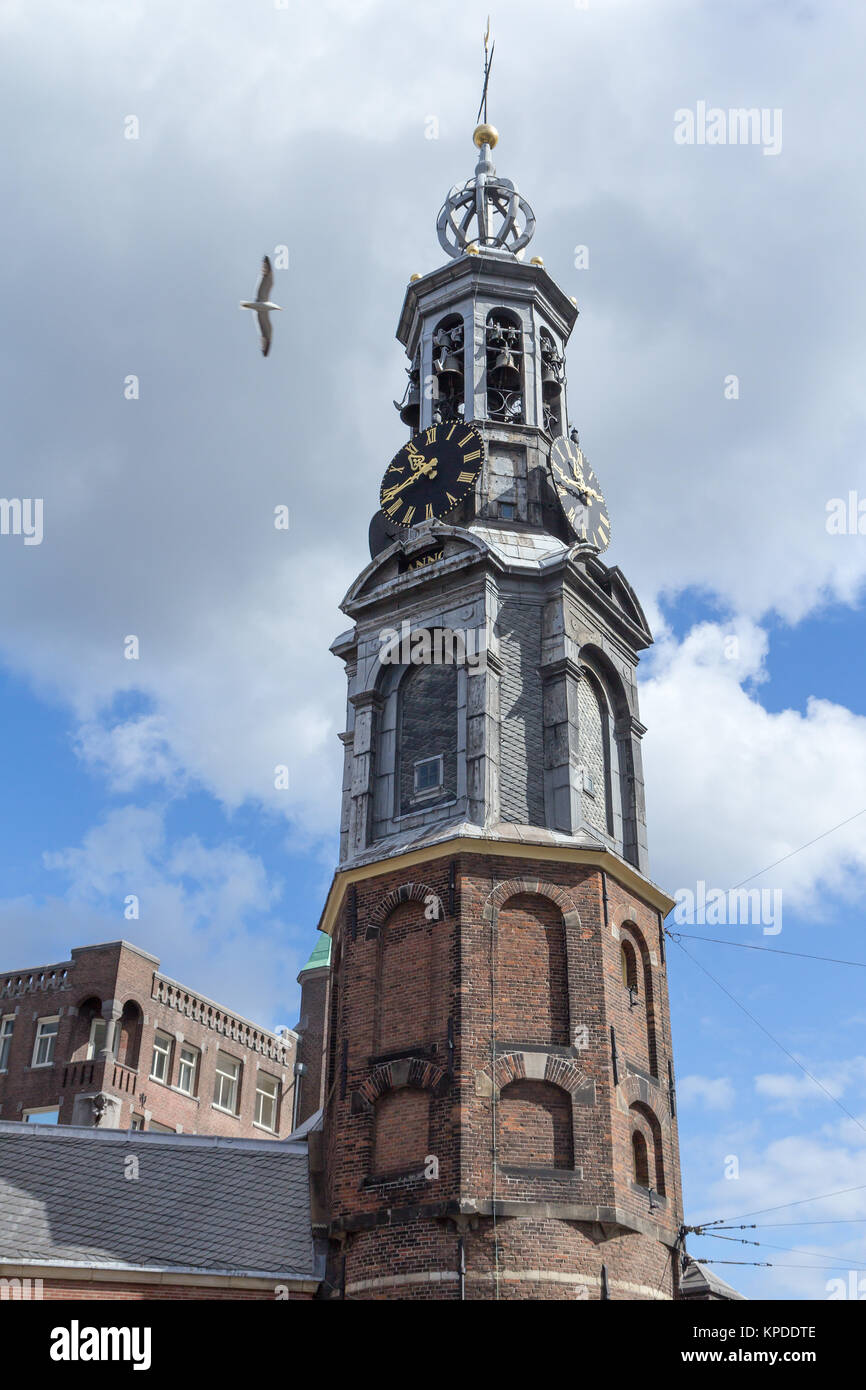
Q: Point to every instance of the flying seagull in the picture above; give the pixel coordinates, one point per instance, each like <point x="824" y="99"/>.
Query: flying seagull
<point x="263" y="305"/>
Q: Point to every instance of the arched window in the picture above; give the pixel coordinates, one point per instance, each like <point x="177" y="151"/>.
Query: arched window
<point x="640" y="1159"/>
<point x="594" y="753"/>
<point x="531" y="972"/>
<point x="504" y="342"/>
<point x="448" y="369"/>
<point x="88" y="1036"/>
<point x="534" y="1126"/>
<point x="637" y="974"/>
<point x="427" y="747"/>
<point x="646" y="1147"/>
<point x="552" y="378"/>
<point x="129" y="1035"/>
<point x="401" y="1131"/>
<point x="628" y="965"/>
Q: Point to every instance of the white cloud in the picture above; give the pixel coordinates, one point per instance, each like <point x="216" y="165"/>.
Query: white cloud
<point x="713" y="1093"/>
<point x="733" y="788"/>
<point x="209" y="912"/>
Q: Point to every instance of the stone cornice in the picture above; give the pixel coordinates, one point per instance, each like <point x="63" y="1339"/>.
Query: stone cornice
<point x="622" y="873"/>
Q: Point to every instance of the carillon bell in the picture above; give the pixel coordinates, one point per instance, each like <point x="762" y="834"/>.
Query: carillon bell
<point x="550" y="380"/>
<point x="410" y="407"/>
<point x="505" y="375"/>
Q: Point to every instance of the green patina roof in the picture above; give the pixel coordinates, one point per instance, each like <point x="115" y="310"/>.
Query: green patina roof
<point x="321" y="955"/>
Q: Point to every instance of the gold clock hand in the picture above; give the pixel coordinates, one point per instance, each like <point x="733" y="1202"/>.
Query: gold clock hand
<point x="428" y="467"/>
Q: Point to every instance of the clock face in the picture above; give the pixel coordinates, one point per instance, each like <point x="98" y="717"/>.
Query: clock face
<point x="432" y="473"/>
<point x="579" y="493"/>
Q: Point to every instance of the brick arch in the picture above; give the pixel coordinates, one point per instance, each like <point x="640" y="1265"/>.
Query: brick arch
<point x="558" y="1071"/>
<point x="645" y="1122"/>
<point x="630" y="933"/>
<point x="407" y="892"/>
<point x="405" y="1071"/>
<point x="513" y="887"/>
<point x="636" y="1090"/>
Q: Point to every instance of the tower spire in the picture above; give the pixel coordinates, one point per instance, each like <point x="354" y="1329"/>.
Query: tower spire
<point x="488" y="64"/>
<point x="487" y="213"/>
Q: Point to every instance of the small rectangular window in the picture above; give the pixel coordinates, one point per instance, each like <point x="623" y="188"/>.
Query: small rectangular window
<point x="267" y="1092"/>
<point x="160" y="1068"/>
<point x="225" y="1091"/>
<point x="506" y="511"/>
<point x="43" y="1115"/>
<point x="137" y="1122"/>
<point x="6" y="1029"/>
<point x="429" y="775"/>
<point x="46" y="1039"/>
<point x="187" y="1071"/>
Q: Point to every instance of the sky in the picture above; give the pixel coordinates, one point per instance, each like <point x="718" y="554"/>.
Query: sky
<point x="715" y="374"/>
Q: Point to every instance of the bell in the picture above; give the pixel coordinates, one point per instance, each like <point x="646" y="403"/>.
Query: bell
<point x="410" y="408"/>
<point x="550" y="382"/>
<point x="448" y="364"/>
<point x="505" y="373"/>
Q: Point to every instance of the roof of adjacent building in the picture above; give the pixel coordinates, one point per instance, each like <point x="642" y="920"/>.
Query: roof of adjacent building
<point x="321" y="954"/>
<point x="70" y="1197"/>
<point x="699" y="1281"/>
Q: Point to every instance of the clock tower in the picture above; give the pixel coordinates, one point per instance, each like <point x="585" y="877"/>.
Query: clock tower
<point x="500" y="1116"/>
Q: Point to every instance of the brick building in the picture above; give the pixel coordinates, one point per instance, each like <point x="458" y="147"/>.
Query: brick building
<point x="106" y="1039"/>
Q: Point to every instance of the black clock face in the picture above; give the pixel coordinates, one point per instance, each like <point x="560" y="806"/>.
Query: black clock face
<point x="432" y="473"/>
<point x="579" y="493"/>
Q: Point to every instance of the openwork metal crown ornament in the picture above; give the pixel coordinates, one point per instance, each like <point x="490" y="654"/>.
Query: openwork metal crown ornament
<point x="487" y="213"/>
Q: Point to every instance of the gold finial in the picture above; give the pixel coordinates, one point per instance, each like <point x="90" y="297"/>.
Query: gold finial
<point x="485" y="134"/>
<point x="414" y="277"/>
<point x="536" y="260"/>
<point x="472" y="249"/>
<point x="573" y="300"/>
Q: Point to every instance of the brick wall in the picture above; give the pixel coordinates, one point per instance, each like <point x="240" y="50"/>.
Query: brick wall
<point x="528" y="944"/>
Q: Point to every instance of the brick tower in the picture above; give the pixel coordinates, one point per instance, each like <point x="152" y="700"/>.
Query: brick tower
<point x="499" y="1094"/>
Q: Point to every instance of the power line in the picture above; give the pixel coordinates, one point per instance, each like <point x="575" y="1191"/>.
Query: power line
<point x="788" y="1249"/>
<point x="785" y="857"/>
<point x="781" y="1046"/>
<point x="783" y="1206"/>
<point x="773" y="950"/>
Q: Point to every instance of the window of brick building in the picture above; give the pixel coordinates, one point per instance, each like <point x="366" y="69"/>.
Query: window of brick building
<point x="6" y="1029"/>
<point x="46" y="1040"/>
<point x="226" y="1083"/>
<point x="640" y="1160"/>
<point x="160" y="1068"/>
<point x="187" y="1072"/>
<point x="96" y="1041"/>
<point x="42" y="1115"/>
<point x="267" y="1096"/>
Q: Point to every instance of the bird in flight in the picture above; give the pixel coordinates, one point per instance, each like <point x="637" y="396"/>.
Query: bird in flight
<point x="263" y="305"/>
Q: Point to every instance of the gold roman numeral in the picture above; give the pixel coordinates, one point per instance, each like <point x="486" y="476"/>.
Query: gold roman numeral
<point x="431" y="434"/>
<point x="451" y="431"/>
<point x="467" y="458"/>
<point x="452" y="500"/>
<point x="395" y="507"/>
<point x="465" y="440"/>
<point x="465" y="477"/>
<point x="428" y="514"/>
<point x="408" y="515"/>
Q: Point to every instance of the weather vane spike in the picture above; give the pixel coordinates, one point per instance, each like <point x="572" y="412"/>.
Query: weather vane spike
<point x="488" y="63"/>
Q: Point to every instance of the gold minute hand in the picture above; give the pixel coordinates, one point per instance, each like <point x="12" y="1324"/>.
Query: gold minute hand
<point x="428" y="466"/>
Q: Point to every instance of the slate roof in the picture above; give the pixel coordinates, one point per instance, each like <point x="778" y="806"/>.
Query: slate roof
<point x="200" y="1204"/>
<point x="699" y="1281"/>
